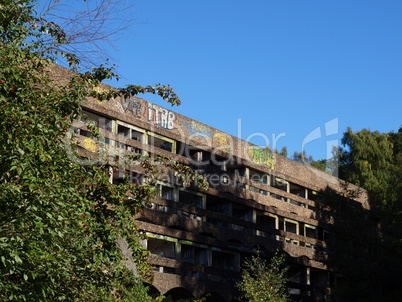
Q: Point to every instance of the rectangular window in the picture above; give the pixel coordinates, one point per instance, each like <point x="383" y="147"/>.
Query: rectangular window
<point x="242" y="212"/>
<point x="100" y="121"/>
<point x="266" y="220"/>
<point x="217" y="204"/>
<point x="313" y="195"/>
<point x="161" y="248"/>
<point x="310" y="231"/>
<point x="291" y="227"/>
<point x="165" y="192"/>
<point x="223" y="260"/>
<point x="280" y="184"/>
<point x="161" y="142"/>
<point x="126" y="133"/>
<point x="96" y="120"/>
<point x="192" y="198"/>
<point x="297" y="190"/>
<point x="194" y="254"/>
<point x="259" y="177"/>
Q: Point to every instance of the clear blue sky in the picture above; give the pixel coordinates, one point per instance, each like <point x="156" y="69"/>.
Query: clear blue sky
<point x="279" y="66"/>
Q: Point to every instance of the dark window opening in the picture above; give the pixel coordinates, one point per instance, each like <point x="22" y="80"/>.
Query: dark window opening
<point x="190" y="199"/>
<point x="161" y="247"/>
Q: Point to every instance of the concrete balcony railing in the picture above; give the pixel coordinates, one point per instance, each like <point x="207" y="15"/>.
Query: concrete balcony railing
<point x="168" y="213"/>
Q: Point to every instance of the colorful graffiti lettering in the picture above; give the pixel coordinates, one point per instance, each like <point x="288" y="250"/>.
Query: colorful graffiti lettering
<point x="160" y="117"/>
<point x="198" y="130"/>
<point x="262" y="156"/>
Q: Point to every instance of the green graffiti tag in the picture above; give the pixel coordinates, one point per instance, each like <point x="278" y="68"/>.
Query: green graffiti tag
<point x="262" y="156"/>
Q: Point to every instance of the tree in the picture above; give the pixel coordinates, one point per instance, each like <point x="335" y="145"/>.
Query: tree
<point x="59" y="220"/>
<point x="262" y="281"/>
<point x="303" y="158"/>
<point x="371" y="261"/>
<point x="396" y="172"/>
<point x="283" y="151"/>
<point x="92" y="28"/>
<point x="366" y="160"/>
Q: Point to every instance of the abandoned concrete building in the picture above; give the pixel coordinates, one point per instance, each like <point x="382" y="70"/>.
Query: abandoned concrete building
<point x="256" y="199"/>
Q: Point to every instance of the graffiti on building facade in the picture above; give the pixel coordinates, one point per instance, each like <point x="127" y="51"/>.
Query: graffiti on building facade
<point x="160" y="117"/>
<point x="198" y="130"/>
<point x="222" y="142"/>
<point x="90" y="144"/>
<point x="220" y="139"/>
<point x="132" y="105"/>
<point x="262" y="156"/>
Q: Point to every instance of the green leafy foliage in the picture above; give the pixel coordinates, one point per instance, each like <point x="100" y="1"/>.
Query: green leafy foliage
<point x="262" y="281"/>
<point x="367" y="249"/>
<point x="302" y="157"/>
<point x="366" y="161"/>
<point x="59" y="220"/>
